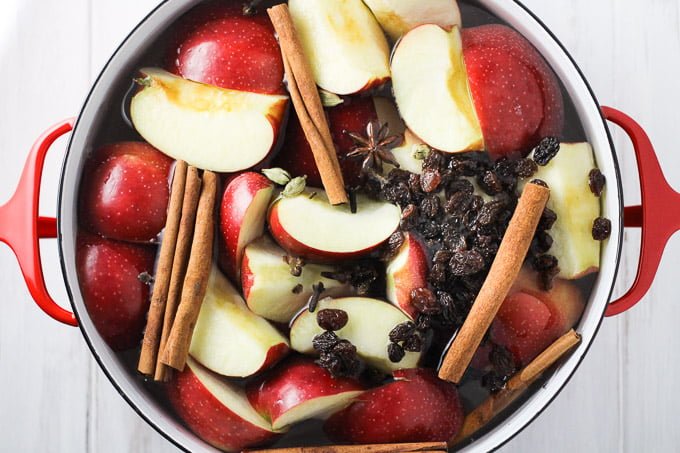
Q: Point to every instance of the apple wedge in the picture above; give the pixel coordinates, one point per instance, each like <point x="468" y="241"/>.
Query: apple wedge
<point x="211" y="128"/>
<point x="345" y="47"/>
<point x="269" y="288"/>
<point x="242" y="215"/>
<point x="431" y="89"/>
<point x="310" y="227"/>
<point x="397" y="17"/>
<point x="407" y="271"/>
<point x="576" y="208"/>
<point x="228" y="338"/>
<point x="299" y="390"/>
<point x="217" y="410"/>
<point x="368" y="328"/>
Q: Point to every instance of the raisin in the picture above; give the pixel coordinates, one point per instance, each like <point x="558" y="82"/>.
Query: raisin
<point x="526" y="168"/>
<point x="434" y="161"/>
<point x="431" y="230"/>
<point x="438" y="273"/>
<point x="466" y="263"/>
<point x="548" y="219"/>
<point x="423" y="322"/>
<point x="540" y="182"/>
<point x="325" y="341"/>
<point x="430" y="180"/>
<point x="424" y="300"/>
<point x="297" y="289"/>
<point x="395" y="352"/>
<point x="596" y="181"/>
<point x="490" y="183"/>
<point x="460" y="185"/>
<point x="545" y="263"/>
<point x="414" y="343"/>
<point x="296" y="264"/>
<point x="458" y="203"/>
<point x="430" y="206"/>
<point x="546" y="150"/>
<point x="414" y="182"/>
<point x="402" y="331"/>
<point x="541" y="243"/>
<point x="442" y="256"/>
<point x="490" y="212"/>
<point x="505" y="167"/>
<point x="602" y="229"/>
<point x="332" y="319"/>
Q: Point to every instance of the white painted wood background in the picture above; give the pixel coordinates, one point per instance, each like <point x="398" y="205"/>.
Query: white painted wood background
<point x="54" y="398"/>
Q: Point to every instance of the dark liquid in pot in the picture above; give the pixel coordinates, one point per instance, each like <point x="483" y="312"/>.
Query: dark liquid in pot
<point x="116" y="127"/>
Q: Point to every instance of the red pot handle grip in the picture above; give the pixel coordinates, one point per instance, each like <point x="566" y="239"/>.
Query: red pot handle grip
<point x="21" y="227"/>
<point x="658" y="216"/>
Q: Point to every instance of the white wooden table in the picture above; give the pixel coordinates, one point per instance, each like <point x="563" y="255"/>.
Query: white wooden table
<point x="53" y="397"/>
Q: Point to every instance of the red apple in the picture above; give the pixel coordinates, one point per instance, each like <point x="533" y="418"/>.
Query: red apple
<point x="310" y="227"/>
<point x="125" y="191"/>
<point x="516" y="94"/>
<point x="531" y="319"/>
<point x="217" y="410"/>
<point x="242" y="215"/>
<point x="116" y="300"/>
<point x="217" y="44"/>
<point x="407" y="271"/>
<point x="416" y="407"/>
<point x="351" y="116"/>
<point x="298" y="390"/>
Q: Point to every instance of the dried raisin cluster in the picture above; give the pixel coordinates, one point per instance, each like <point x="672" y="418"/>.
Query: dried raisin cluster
<point x="336" y="355"/>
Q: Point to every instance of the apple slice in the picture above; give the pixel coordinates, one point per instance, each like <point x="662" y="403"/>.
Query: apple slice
<point x="299" y="390"/>
<point x="345" y="47"/>
<point x="397" y="17"/>
<point x="310" y="227"/>
<point x="431" y="89"/>
<point x="368" y="328"/>
<point x="407" y="271"/>
<point x="416" y="407"/>
<point x="269" y="288"/>
<point x="211" y="128"/>
<point x="230" y="339"/>
<point x="576" y="208"/>
<point x="242" y="215"/>
<point x="217" y="410"/>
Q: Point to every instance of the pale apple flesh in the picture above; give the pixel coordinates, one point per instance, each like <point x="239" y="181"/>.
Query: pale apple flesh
<point x="217" y="410"/>
<point x="230" y="339"/>
<point x="432" y="92"/>
<point x="567" y="175"/>
<point x="368" y="328"/>
<point x="269" y="288"/>
<point x="407" y="271"/>
<point x="346" y="49"/>
<point x="309" y="226"/>
<point x="397" y="17"/>
<point x="209" y="127"/>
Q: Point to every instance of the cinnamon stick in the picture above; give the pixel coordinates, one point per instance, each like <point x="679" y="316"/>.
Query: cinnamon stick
<point x="192" y="192"/>
<point x="154" y="323"/>
<point x="503" y="272"/>
<point x="305" y="96"/>
<point x="196" y="279"/>
<point x="496" y="403"/>
<point x="419" y="447"/>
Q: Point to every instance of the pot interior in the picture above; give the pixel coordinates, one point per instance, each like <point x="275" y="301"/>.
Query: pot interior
<point x="102" y="120"/>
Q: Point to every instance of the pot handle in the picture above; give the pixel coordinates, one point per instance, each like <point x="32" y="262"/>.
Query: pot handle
<point x="21" y="227"/>
<point x="658" y="215"/>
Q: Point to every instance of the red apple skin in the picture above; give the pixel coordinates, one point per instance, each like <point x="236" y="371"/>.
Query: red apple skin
<point x="531" y="319"/>
<point x="516" y="94"/>
<point x="297" y="248"/>
<point x="236" y="200"/>
<point x="292" y="383"/>
<point x="125" y="192"/>
<point x="116" y="300"/>
<point x="216" y="44"/>
<point x="351" y="116"/>
<point x="211" y="420"/>
<point x="411" y="276"/>
<point x="417" y="407"/>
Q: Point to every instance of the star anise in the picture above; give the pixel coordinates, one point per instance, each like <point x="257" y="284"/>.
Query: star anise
<point x="375" y="148"/>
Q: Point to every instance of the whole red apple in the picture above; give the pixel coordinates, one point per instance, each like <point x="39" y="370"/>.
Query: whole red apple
<point x="125" y="191"/>
<point x="416" y="407"/>
<point x="516" y="94"/>
<point x="219" y="45"/>
<point x="116" y="300"/>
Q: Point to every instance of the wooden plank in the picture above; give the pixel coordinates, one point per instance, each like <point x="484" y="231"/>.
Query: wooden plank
<point x="43" y="383"/>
